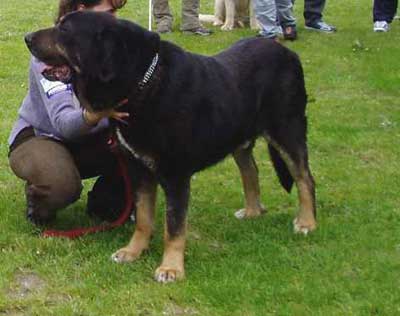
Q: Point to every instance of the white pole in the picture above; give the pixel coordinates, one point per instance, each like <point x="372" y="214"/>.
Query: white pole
<point x="150" y="13"/>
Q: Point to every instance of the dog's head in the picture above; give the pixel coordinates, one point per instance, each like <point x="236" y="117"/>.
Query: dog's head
<point x="102" y="57"/>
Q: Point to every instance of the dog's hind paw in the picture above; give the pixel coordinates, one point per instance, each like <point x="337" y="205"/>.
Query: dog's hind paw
<point x="303" y="227"/>
<point x="167" y="275"/>
<point x="124" y="255"/>
<point x="250" y="213"/>
<point x="241" y="214"/>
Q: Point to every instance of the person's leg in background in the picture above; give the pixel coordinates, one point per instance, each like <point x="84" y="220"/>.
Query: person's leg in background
<point x="313" y="11"/>
<point x="383" y="14"/>
<point x="190" y="18"/>
<point x="162" y="16"/>
<point x="313" y="16"/>
<point x="266" y="15"/>
<point x="286" y="19"/>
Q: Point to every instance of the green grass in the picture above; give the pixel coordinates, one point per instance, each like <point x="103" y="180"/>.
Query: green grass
<point x="349" y="266"/>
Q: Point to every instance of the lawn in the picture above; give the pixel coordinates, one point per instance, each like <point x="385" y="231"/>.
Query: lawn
<point x="349" y="266"/>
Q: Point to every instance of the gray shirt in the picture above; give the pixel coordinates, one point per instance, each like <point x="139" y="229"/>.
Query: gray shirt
<point x="52" y="109"/>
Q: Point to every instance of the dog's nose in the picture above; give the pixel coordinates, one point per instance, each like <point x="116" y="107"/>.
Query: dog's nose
<point x="28" y="39"/>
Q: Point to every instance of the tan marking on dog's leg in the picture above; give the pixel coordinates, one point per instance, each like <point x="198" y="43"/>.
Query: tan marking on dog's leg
<point x="249" y="174"/>
<point x="230" y="9"/>
<point x="145" y="209"/>
<point x="305" y="221"/>
<point x="219" y="12"/>
<point x="172" y="266"/>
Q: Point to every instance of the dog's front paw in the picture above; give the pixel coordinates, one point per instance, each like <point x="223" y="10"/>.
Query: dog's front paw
<point x="125" y="255"/>
<point x="168" y="274"/>
<point x="227" y="27"/>
<point x="304" y="226"/>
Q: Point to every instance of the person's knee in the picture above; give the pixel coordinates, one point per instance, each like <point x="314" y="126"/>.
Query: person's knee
<point x="53" y="180"/>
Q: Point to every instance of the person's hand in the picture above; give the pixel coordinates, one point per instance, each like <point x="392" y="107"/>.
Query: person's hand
<point x="92" y="118"/>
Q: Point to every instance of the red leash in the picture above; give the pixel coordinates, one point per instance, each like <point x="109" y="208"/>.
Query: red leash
<point x="123" y="170"/>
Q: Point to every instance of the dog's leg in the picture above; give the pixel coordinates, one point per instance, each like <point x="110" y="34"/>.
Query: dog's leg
<point x="219" y="12"/>
<point x="229" y="15"/>
<point x="145" y="209"/>
<point x="292" y="148"/>
<point x="248" y="170"/>
<point x="253" y="21"/>
<point x="172" y="266"/>
<point x="305" y="220"/>
<point x="242" y="13"/>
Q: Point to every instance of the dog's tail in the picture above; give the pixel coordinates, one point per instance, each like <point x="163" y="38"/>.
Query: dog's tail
<point x="281" y="169"/>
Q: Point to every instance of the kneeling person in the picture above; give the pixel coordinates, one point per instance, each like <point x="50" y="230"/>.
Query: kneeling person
<point x="54" y="143"/>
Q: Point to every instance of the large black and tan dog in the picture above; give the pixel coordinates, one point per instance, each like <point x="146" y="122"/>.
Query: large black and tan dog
<point x="187" y="112"/>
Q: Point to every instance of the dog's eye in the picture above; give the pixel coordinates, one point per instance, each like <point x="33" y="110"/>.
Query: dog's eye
<point x="62" y="30"/>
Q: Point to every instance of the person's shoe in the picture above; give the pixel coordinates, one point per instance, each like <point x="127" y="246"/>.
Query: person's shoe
<point x="289" y="32"/>
<point x="381" y="26"/>
<point x="320" y="26"/>
<point x="163" y="29"/>
<point x="199" y="31"/>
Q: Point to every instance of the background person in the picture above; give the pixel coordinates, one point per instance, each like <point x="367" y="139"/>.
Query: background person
<point x="268" y="12"/>
<point x="383" y="14"/>
<point x="54" y="143"/>
<point x="313" y="16"/>
<point x="190" y="17"/>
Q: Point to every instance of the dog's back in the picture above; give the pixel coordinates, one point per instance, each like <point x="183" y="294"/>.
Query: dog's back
<point x="269" y="75"/>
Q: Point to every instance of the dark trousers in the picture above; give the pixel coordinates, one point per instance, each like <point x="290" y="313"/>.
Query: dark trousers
<point x="53" y="170"/>
<point x="384" y="10"/>
<point x="313" y="10"/>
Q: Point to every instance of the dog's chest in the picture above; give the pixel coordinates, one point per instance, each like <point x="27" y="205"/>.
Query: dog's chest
<point x="146" y="159"/>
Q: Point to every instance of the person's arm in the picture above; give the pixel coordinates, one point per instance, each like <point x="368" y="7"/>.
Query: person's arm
<point x="70" y="121"/>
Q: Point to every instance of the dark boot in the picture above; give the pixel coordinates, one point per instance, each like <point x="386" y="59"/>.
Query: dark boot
<point x="106" y="200"/>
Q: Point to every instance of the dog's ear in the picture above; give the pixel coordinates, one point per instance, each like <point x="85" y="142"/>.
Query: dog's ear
<point x="108" y="53"/>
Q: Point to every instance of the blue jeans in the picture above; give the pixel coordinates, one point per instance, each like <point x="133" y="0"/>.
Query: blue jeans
<point x="269" y="12"/>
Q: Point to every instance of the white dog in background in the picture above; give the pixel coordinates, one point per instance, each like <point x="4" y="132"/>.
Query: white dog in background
<point x="231" y="13"/>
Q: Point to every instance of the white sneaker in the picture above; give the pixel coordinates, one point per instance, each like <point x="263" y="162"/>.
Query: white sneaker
<point x="381" y="26"/>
